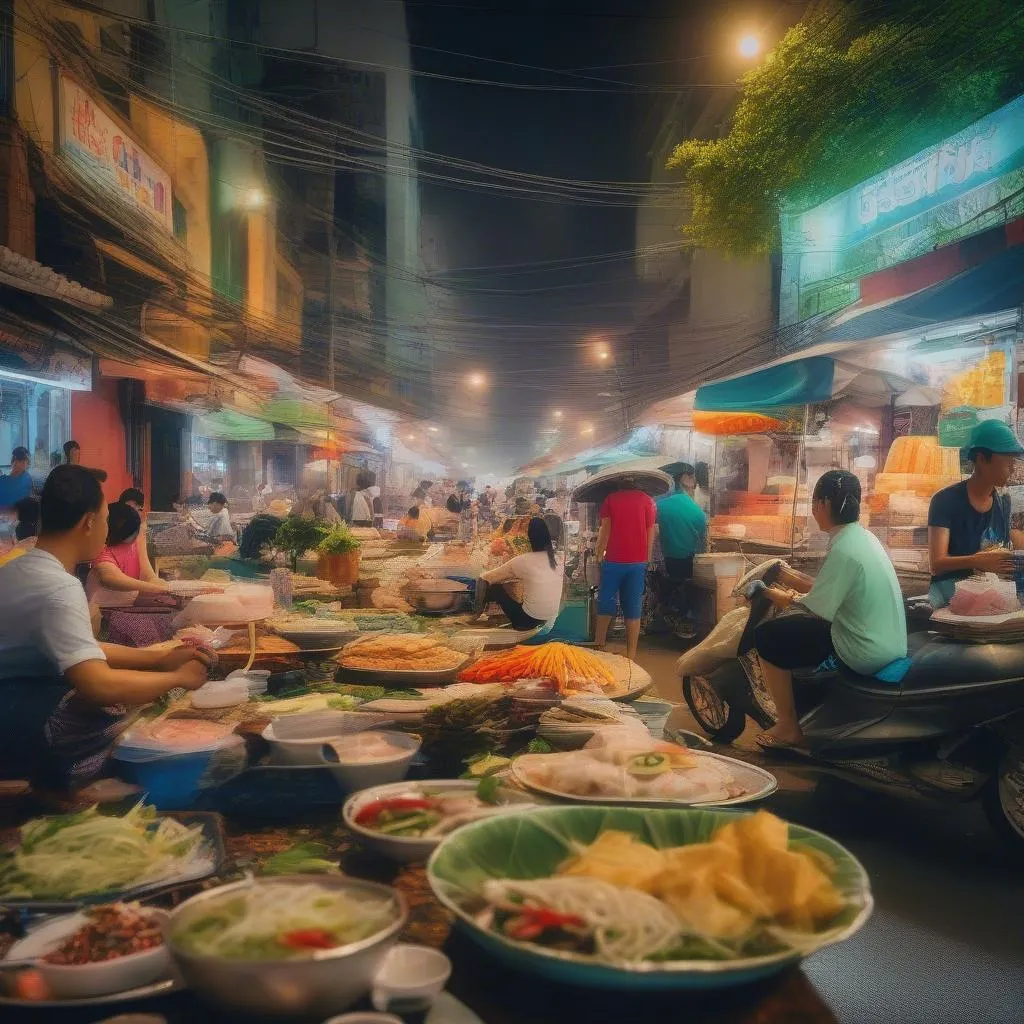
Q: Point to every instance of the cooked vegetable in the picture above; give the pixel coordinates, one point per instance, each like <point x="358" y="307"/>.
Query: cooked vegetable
<point x="283" y="922"/>
<point x="426" y="814"/>
<point x="301" y="859"/>
<point x="89" y="854"/>
<point x="113" y="931"/>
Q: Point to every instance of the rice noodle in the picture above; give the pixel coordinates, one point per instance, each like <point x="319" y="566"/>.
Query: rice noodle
<point x="628" y="925"/>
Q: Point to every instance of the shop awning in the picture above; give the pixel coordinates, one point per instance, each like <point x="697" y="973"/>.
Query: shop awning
<point x="229" y="425"/>
<point x="989" y="288"/>
<point x="799" y="382"/>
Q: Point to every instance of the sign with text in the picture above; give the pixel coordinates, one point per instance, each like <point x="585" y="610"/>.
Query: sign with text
<point x="103" y="152"/>
<point x="966" y="184"/>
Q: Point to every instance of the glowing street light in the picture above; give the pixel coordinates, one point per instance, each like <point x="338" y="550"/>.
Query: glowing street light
<point x="477" y="380"/>
<point x="749" y="45"/>
<point x="433" y="430"/>
<point x="255" y="198"/>
<point x="557" y="414"/>
<point x="587" y="428"/>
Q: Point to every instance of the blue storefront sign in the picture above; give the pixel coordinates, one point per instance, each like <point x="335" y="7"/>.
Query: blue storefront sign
<point x="966" y="184"/>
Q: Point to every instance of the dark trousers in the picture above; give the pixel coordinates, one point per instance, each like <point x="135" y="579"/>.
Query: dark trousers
<point x="510" y="606"/>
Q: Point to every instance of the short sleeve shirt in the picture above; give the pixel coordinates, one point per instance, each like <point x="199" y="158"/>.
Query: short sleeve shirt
<point x="682" y="526"/>
<point x="44" y="619"/>
<point x="951" y="509"/>
<point x="858" y="592"/>
<point x="632" y="514"/>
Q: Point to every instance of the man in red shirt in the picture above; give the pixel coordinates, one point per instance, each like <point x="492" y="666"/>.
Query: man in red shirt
<point x="624" y="545"/>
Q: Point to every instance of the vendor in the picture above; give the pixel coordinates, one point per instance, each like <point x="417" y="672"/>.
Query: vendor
<point x="682" y="527"/>
<point x="64" y="696"/>
<point x="414" y="525"/>
<point x="18" y="483"/>
<point x="969" y="522"/>
<point x="122" y="569"/>
<point x="854" y="609"/>
<point x="221" y="528"/>
<point x="540" y="572"/>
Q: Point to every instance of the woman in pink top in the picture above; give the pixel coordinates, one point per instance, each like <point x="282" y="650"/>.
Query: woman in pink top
<point x="122" y="571"/>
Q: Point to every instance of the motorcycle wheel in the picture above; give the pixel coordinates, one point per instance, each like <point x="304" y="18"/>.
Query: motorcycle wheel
<point x="720" y="720"/>
<point x="1003" y="797"/>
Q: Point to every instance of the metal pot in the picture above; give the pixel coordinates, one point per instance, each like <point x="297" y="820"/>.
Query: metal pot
<point x="328" y="982"/>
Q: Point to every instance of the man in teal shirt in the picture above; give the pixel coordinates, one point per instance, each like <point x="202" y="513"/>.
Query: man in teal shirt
<point x="682" y="527"/>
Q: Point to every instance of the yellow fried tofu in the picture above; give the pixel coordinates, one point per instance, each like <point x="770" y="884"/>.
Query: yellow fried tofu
<point x="618" y="858"/>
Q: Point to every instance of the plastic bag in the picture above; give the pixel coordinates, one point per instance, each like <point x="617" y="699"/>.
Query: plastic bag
<point x="721" y="645"/>
<point x="984" y="595"/>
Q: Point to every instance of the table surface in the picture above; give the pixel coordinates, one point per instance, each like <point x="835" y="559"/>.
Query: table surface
<point x="496" y="993"/>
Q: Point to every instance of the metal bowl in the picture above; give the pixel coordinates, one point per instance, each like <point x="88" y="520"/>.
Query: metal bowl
<point x="326" y="983"/>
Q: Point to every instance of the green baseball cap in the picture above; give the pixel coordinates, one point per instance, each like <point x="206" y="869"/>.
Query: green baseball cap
<point x="995" y="436"/>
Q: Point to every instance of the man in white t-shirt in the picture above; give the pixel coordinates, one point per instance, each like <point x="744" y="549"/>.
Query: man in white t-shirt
<point x="64" y="697"/>
<point x="221" y="528"/>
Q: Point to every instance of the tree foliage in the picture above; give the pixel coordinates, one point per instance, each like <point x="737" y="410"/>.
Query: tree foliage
<point x="852" y="89"/>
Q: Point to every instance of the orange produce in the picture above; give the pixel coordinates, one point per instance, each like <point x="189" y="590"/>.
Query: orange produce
<point x="562" y="663"/>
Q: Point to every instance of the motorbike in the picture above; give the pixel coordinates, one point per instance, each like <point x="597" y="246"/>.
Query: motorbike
<point x="951" y="729"/>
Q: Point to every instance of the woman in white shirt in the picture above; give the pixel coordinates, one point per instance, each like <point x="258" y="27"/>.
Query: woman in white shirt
<point x="540" y="573"/>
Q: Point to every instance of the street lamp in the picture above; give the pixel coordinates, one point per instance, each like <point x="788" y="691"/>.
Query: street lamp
<point x="749" y="45"/>
<point x="476" y="380"/>
<point x="557" y="414"/>
<point x="255" y="198"/>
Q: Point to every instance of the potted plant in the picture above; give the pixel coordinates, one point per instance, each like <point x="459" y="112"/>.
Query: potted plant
<point x="297" y="535"/>
<point x="339" y="557"/>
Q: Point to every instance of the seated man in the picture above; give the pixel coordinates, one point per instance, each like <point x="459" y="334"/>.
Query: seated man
<point x="855" y="608"/>
<point x="64" y="698"/>
<point x="221" y="527"/>
<point x="969" y="523"/>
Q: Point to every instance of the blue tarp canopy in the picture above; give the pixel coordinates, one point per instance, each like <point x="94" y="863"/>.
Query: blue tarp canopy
<point x="994" y="286"/>
<point x="800" y="382"/>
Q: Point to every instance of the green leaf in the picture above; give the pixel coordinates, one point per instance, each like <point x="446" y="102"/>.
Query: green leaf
<point x="301" y="859"/>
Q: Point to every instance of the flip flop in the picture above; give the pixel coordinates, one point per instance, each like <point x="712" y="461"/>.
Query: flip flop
<point x="770" y="744"/>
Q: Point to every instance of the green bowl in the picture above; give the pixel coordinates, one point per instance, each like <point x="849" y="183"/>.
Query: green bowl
<point x="532" y="845"/>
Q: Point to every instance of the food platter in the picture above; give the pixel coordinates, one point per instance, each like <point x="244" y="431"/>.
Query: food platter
<point x="164" y="987"/>
<point x="634" y="680"/>
<point x="434" y="677"/>
<point x="757" y="783"/>
<point x="533" y="844"/>
<point x="211" y="863"/>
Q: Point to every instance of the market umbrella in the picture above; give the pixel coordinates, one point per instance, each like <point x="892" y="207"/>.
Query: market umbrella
<point x="651" y="481"/>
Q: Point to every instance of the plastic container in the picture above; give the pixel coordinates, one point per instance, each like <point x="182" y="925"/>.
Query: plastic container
<point x="226" y="693"/>
<point x="175" y="781"/>
<point x="654" y="714"/>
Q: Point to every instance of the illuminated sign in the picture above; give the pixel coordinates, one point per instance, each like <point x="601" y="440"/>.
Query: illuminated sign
<point x="966" y="184"/>
<point x="103" y="153"/>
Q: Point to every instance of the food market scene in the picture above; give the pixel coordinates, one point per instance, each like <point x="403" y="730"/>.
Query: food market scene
<point x="511" y="512"/>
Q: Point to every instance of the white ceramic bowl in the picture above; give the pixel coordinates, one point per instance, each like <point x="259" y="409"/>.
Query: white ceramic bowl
<point x="412" y="849"/>
<point x="299" y="739"/>
<point x="354" y="775"/>
<point x="86" y="981"/>
<point x="412" y="973"/>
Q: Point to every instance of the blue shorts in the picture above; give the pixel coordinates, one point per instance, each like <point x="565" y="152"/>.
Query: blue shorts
<point x="623" y="581"/>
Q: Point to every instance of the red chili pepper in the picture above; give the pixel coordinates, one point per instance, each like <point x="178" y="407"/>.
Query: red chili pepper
<point x="308" y="938"/>
<point x="371" y="812"/>
<point x="531" y="922"/>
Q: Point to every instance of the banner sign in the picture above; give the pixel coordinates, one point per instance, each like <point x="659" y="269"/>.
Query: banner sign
<point x="103" y="153"/>
<point x="966" y="184"/>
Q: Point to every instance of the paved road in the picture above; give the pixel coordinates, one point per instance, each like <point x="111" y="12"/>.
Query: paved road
<point x="946" y="942"/>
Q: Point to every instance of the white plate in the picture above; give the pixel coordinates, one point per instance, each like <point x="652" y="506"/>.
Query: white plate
<point x="758" y="783"/>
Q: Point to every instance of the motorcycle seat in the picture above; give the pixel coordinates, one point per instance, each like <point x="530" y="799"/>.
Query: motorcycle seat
<point x="939" y="664"/>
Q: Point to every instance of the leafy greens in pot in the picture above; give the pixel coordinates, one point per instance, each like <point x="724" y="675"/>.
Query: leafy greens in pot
<point x="283" y="922"/>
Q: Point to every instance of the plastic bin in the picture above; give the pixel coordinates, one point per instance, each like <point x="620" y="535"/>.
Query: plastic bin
<point x="174" y="781"/>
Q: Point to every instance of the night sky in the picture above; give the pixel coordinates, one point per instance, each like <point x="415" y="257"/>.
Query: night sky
<point x="527" y="328"/>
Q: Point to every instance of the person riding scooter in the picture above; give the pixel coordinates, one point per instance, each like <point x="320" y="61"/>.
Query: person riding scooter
<point x="853" y="611"/>
<point x="969" y="523"/>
